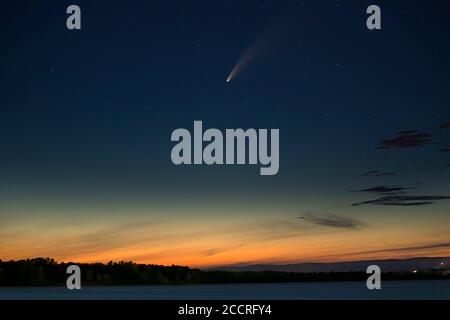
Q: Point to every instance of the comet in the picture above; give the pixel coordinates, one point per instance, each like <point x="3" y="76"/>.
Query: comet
<point x="241" y="64"/>
<point x="258" y="46"/>
<point x="269" y="38"/>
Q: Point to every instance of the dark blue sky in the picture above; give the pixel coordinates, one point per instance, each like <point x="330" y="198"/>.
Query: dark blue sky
<point x="87" y="115"/>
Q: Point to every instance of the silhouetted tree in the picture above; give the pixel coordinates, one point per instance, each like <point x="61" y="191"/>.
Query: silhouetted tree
<point x="46" y="271"/>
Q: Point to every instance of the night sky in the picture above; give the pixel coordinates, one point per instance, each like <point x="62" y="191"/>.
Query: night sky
<point x="86" y="118"/>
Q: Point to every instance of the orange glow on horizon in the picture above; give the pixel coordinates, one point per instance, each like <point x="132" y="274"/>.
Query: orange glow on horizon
<point x="220" y="240"/>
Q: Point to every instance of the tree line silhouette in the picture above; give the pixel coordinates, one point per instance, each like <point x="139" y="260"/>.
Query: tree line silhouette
<point x="48" y="272"/>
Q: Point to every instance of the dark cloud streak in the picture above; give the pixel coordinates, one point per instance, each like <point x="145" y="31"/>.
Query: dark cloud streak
<point x="444" y="125"/>
<point x="406" y="139"/>
<point x="403" y="200"/>
<point x="376" y="173"/>
<point x="383" y="189"/>
<point x="333" y="221"/>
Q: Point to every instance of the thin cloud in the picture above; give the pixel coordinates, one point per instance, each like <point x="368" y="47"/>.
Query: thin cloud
<point x="411" y="248"/>
<point x="406" y="139"/>
<point x="444" y="125"/>
<point x="214" y="251"/>
<point x="384" y="189"/>
<point x="333" y="221"/>
<point x="376" y="173"/>
<point x="403" y="200"/>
